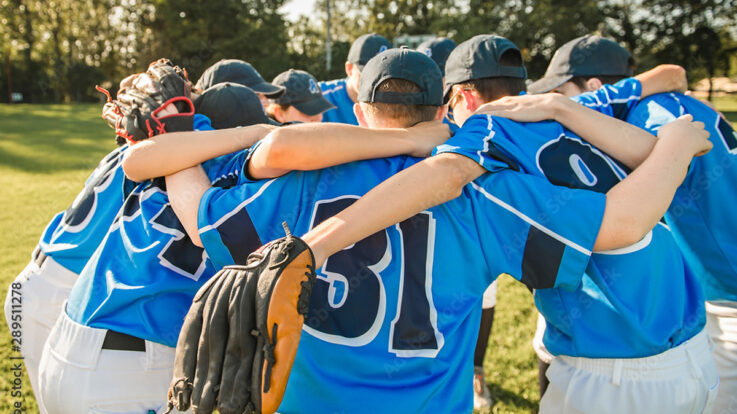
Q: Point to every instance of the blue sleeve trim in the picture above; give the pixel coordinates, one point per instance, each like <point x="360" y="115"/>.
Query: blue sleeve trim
<point x="210" y="237"/>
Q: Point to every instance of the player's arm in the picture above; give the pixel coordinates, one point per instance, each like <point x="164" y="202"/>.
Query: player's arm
<point x="633" y="207"/>
<point x="626" y="143"/>
<point x="312" y="146"/>
<point x="185" y="190"/>
<point x="168" y="153"/>
<point x="428" y="183"/>
<point x="637" y="203"/>
<point x="663" y="78"/>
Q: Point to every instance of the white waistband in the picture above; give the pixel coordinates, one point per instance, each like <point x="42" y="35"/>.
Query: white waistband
<point x="722" y="308"/>
<point x="685" y="359"/>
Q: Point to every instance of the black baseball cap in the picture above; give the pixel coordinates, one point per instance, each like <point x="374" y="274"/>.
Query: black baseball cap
<point x="237" y="71"/>
<point x="404" y="64"/>
<point x="438" y="49"/>
<point x="366" y="47"/>
<point x="584" y="56"/>
<point x="478" y="58"/>
<point x="302" y="92"/>
<point x="230" y="105"/>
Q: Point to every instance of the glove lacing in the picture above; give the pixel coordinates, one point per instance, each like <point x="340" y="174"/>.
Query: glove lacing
<point x="270" y="358"/>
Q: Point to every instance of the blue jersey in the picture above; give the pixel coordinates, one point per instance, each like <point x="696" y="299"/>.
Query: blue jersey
<point x="73" y="235"/>
<point x="614" y="100"/>
<point x="634" y="302"/>
<point x="335" y="92"/>
<point x="142" y="277"/>
<point x="700" y="216"/>
<point x="393" y="319"/>
<point x="453" y="127"/>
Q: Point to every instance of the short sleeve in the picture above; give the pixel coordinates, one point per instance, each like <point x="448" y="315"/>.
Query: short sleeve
<point x="202" y="123"/>
<point x="225" y="171"/>
<point x="475" y="141"/>
<point x="226" y="229"/>
<point x="614" y="100"/>
<point x="539" y="233"/>
<point x="654" y="112"/>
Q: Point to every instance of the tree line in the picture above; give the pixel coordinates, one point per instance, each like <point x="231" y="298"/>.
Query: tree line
<point x="56" y="51"/>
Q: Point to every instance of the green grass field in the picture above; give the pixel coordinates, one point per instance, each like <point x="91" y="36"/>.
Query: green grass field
<point x="46" y="153"/>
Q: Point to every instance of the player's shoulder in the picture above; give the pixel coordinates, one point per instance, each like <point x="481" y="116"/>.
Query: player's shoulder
<point x="659" y="105"/>
<point x="112" y="159"/>
<point x="497" y="128"/>
<point x="382" y="166"/>
<point x="332" y="86"/>
<point x="202" y="123"/>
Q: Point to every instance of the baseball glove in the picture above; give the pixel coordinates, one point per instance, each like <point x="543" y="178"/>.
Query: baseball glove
<point x="139" y="111"/>
<point x="240" y="336"/>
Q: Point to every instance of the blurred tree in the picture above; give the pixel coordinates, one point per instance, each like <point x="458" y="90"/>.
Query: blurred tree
<point x="197" y="34"/>
<point x="537" y="27"/>
<point x="19" y="39"/>
<point x="696" y="34"/>
<point x="306" y="47"/>
<point x="58" y="49"/>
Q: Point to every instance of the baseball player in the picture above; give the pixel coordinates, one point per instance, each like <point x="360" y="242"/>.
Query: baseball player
<point x="66" y="245"/>
<point x="438" y="49"/>
<point x="630" y="336"/>
<point x="342" y="93"/>
<point x="229" y="105"/>
<point x="699" y="217"/>
<point x="302" y="100"/>
<point x="111" y="349"/>
<point x="356" y="311"/>
<point x="588" y="63"/>
<point x="238" y="71"/>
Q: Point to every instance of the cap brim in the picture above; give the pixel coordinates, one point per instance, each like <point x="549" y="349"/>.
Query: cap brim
<point x="314" y="106"/>
<point x="269" y="90"/>
<point x="548" y="83"/>
<point x="446" y="93"/>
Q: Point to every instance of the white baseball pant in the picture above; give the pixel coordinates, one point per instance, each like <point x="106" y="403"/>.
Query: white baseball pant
<point x="721" y="323"/>
<point x="78" y="376"/>
<point x="43" y="292"/>
<point x="681" y="380"/>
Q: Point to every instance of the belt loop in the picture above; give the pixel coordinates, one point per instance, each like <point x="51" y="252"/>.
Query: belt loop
<point x="617" y="374"/>
<point x="695" y="369"/>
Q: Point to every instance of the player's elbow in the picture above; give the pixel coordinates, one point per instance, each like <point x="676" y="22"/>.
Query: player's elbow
<point x="195" y="238"/>
<point x="455" y="173"/>
<point x="132" y="165"/>
<point x="275" y="151"/>
<point x="677" y="77"/>
<point x="621" y="232"/>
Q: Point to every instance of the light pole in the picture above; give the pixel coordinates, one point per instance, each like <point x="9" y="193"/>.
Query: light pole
<point x="328" y="56"/>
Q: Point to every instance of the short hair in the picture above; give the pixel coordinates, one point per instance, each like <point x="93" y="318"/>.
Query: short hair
<point x="271" y="109"/>
<point x="406" y="114"/>
<point x="497" y="87"/>
<point x="580" y="81"/>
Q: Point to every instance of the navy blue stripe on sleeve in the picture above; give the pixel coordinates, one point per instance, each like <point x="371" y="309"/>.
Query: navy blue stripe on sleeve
<point x="239" y="235"/>
<point x="541" y="259"/>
